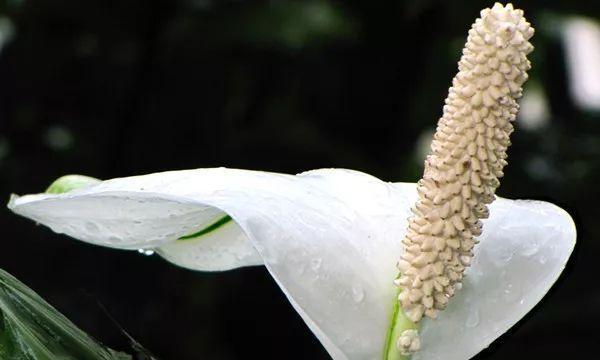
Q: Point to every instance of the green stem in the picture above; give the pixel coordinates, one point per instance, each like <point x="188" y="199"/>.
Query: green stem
<point x="398" y="324"/>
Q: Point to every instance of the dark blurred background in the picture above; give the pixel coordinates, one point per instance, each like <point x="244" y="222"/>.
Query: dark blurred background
<point x="111" y="88"/>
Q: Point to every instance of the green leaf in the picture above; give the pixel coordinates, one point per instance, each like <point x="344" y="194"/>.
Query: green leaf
<point x="31" y="329"/>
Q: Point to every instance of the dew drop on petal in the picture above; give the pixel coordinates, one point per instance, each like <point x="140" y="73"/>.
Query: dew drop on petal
<point x="504" y="257"/>
<point x="301" y="268"/>
<point x="531" y="248"/>
<point x="315" y="264"/>
<point x="146" y="252"/>
<point x="473" y="318"/>
<point x="358" y="294"/>
<point x="114" y="239"/>
<point x="509" y="293"/>
<point x="91" y="226"/>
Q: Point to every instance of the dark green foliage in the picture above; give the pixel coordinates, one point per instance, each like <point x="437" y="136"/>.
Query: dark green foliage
<point x="31" y="329"/>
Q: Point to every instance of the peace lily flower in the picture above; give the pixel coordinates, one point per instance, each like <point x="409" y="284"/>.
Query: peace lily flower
<point x="331" y="237"/>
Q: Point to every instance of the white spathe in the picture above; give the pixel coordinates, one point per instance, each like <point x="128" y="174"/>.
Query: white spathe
<point x="330" y="239"/>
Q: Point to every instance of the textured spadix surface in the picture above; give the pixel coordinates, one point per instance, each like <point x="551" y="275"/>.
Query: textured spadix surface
<point x="468" y="155"/>
<point x="330" y="239"/>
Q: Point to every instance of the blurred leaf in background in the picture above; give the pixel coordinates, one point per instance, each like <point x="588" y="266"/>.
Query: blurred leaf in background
<point x="31" y="329"/>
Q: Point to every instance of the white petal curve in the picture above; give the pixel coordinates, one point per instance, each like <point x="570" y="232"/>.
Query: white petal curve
<point x="329" y="237"/>
<point x="226" y="248"/>
<point x="524" y="247"/>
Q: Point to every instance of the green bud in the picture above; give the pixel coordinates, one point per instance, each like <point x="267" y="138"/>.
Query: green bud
<point x="67" y="183"/>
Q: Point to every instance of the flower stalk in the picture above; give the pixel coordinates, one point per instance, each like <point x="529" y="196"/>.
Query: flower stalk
<point x="462" y="172"/>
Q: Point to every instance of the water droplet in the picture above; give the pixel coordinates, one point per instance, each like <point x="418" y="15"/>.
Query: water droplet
<point x="509" y="294"/>
<point x="315" y="264"/>
<point x="91" y="226"/>
<point x="504" y="257"/>
<point x="358" y="294"/>
<point x="114" y="239"/>
<point x="531" y="247"/>
<point x="301" y="269"/>
<point x="473" y="319"/>
<point x="146" y="252"/>
<point x="346" y="339"/>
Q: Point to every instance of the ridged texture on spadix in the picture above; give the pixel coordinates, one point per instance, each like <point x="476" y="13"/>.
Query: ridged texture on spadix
<point x="467" y="156"/>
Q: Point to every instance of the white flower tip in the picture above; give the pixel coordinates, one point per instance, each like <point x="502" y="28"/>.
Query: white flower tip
<point x="12" y="200"/>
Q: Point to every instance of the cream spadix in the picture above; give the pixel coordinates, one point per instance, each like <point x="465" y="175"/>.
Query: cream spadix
<point x="467" y="157"/>
<point x="329" y="238"/>
<point x="468" y="154"/>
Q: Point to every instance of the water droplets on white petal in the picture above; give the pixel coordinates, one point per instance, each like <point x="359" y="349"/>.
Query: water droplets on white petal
<point x="358" y="294"/>
<point x="146" y="252"/>
<point x="345" y="294"/>
<point x="473" y="318"/>
<point x="315" y="264"/>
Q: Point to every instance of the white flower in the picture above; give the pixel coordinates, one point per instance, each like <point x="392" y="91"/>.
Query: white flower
<point x="330" y="239"/>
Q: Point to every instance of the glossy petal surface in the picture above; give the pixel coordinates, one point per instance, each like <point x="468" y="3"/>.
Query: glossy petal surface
<point x="330" y="238"/>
